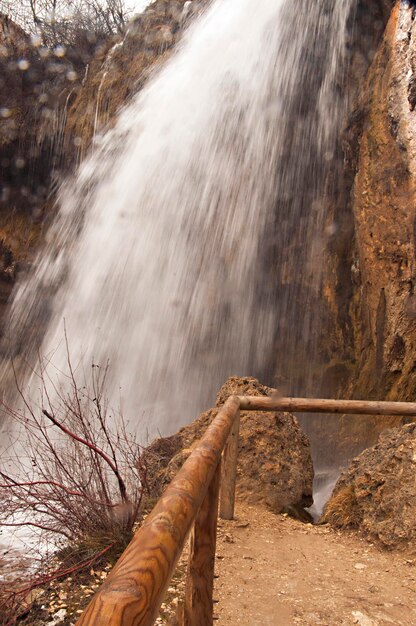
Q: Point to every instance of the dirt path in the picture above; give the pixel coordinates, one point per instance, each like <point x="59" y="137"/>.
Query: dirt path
<point x="279" y="572"/>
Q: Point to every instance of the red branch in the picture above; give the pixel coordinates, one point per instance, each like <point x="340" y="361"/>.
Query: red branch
<point x="41" y="526"/>
<point x="94" y="448"/>
<point x="60" y="573"/>
<point x="33" y="483"/>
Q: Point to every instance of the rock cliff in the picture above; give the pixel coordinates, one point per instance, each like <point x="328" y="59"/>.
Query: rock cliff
<point x="53" y="104"/>
<point x="122" y="67"/>
<point x="383" y="305"/>
<point x="371" y="282"/>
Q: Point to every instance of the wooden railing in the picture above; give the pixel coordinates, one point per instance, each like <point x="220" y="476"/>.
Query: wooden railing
<point x="133" y="592"/>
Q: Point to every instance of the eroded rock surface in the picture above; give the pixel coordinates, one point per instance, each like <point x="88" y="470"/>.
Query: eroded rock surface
<point x="370" y="274"/>
<point x="383" y="204"/>
<point x="377" y="494"/>
<point x="122" y="67"/>
<point x="274" y="464"/>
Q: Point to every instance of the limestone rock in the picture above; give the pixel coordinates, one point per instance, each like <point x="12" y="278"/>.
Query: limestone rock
<point x="274" y="465"/>
<point x="122" y="67"/>
<point x="369" y="279"/>
<point x="377" y="494"/>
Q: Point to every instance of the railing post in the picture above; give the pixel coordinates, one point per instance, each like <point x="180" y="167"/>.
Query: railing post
<point x="198" y="608"/>
<point x="229" y="471"/>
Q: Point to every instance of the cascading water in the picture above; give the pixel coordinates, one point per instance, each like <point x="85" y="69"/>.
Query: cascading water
<point x="176" y="247"/>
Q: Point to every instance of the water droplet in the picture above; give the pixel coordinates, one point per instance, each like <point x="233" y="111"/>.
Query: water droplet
<point x="36" y="40"/>
<point x="331" y="229"/>
<point x="60" y="51"/>
<point x="56" y="68"/>
<point x="5" y="112"/>
<point x="20" y="163"/>
<point x="47" y="113"/>
<point x="77" y="142"/>
<point x="23" y="65"/>
<point x="71" y="75"/>
<point x="43" y="98"/>
<point x="5" y="194"/>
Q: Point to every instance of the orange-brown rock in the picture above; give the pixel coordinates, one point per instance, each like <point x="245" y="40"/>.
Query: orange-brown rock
<point x="122" y="67"/>
<point x="376" y="493"/>
<point x="274" y="462"/>
<point x="370" y="281"/>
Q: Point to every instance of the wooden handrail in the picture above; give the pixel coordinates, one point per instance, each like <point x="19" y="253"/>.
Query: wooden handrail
<point x="134" y="590"/>
<point x="309" y="405"/>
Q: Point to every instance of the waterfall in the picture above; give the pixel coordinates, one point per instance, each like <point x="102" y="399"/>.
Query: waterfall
<point x="176" y="245"/>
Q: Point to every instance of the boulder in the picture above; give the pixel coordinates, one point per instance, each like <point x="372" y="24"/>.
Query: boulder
<point x="274" y="463"/>
<point x="377" y="493"/>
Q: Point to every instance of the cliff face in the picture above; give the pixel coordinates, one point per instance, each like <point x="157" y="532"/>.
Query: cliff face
<point x="52" y="106"/>
<point x="37" y="83"/>
<point x="122" y="68"/>
<point x="384" y="214"/>
<point x="53" y="102"/>
<point x="383" y="202"/>
<point x="372" y="257"/>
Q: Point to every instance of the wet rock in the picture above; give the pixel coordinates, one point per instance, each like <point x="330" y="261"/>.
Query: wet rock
<point x="32" y="117"/>
<point x="376" y="494"/>
<point x="370" y="283"/>
<point x="122" y="67"/>
<point x="299" y="513"/>
<point x="274" y="464"/>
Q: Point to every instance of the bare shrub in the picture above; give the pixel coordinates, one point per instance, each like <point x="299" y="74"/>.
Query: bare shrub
<point x="64" y="21"/>
<point x="18" y="596"/>
<point x="73" y="472"/>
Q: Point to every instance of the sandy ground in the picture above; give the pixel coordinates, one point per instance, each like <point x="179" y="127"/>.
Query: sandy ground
<point x="275" y="571"/>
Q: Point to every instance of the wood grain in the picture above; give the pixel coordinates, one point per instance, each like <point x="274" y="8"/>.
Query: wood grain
<point x="134" y="590"/>
<point x="309" y="405"/>
<point x="198" y="609"/>
<point x="229" y="471"/>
